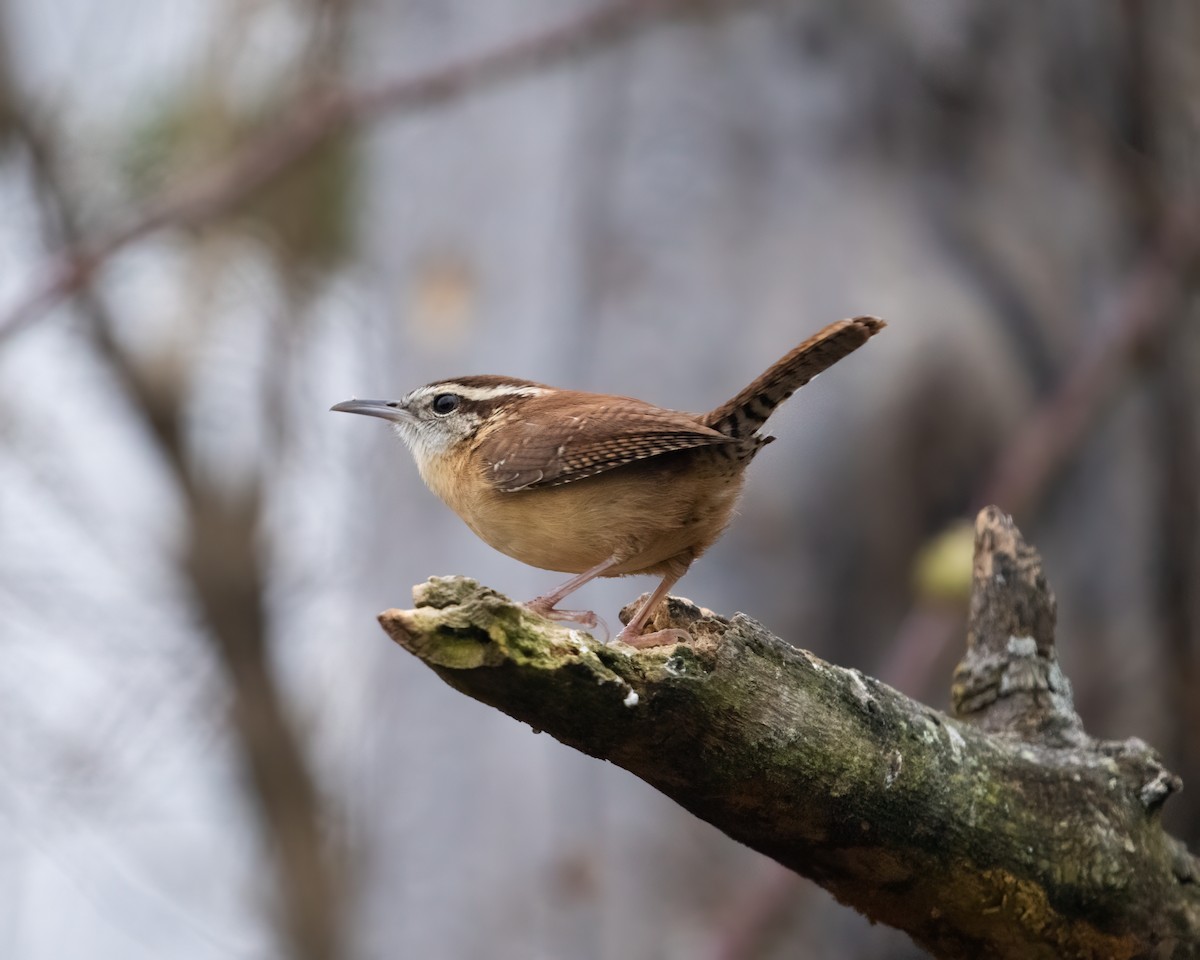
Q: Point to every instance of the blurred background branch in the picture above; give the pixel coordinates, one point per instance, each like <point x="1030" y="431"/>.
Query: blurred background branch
<point x="1148" y="310"/>
<point x="322" y="112"/>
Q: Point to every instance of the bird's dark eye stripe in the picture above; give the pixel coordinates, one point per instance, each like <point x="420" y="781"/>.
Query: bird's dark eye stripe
<point x="445" y="403"/>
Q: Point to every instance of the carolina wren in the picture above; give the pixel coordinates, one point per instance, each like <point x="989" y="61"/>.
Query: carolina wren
<point x="597" y="485"/>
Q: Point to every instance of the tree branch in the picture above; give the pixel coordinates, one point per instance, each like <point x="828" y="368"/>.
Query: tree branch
<point x="1005" y="832"/>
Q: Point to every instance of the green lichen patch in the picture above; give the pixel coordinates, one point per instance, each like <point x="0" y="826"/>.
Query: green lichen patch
<point x="442" y="592"/>
<point x="461" y="625"/>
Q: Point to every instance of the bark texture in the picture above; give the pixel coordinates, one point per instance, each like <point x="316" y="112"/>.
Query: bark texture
<point x="1004" y="831"/>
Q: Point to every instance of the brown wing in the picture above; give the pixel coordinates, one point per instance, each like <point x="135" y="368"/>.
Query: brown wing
<point x="569" y="436"/>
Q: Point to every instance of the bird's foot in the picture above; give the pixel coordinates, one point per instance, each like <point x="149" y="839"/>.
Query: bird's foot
<point x="657" y="638"/>
<point x="585" y="618"/>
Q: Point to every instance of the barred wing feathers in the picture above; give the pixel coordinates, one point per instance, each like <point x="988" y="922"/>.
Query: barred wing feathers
<point x="545" y="448"/>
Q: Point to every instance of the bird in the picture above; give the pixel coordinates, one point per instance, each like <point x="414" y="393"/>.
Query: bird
<point x="592" y="484"/>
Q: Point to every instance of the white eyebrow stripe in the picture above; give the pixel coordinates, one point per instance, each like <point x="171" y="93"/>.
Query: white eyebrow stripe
<point x="476" y="393"/>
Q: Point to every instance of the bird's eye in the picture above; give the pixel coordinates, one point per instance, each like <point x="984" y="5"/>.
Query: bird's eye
<point x="445" y="403"/>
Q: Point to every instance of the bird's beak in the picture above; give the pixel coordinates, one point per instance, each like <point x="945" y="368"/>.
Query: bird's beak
<point x="393" y="410"/>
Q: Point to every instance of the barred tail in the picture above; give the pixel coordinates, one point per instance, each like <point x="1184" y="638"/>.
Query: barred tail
<point x="749" y="410"/>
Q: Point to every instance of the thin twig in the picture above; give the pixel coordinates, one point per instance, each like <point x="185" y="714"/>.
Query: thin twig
<point x="316" y="120"/>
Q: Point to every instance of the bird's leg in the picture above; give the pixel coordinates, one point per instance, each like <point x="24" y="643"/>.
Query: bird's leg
<point x="546" y="606"/>
<point x="632" y="634"/>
